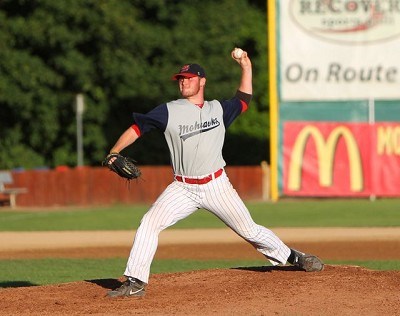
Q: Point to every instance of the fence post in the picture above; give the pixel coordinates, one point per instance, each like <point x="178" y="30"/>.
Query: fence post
<point x="265" y="181"/>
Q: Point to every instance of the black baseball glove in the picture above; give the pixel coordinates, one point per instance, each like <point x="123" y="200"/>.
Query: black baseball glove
<point x="125" y="167"/>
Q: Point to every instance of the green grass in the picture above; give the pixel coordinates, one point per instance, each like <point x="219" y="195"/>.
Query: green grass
<point x="296" y="213"/>
<point x="16" y="273"/>
<point x="288" y="213"/>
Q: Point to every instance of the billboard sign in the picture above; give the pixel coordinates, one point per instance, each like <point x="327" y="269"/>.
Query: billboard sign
<point x="339" y="50"/>
<point x="346" y="159"/>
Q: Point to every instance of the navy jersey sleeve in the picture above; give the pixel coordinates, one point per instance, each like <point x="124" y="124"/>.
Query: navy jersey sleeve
<point x="232" y="109"/>
<point x="155" y="119"/>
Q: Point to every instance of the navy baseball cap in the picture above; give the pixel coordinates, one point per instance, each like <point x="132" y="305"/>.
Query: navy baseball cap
<point x="189" y="71"/>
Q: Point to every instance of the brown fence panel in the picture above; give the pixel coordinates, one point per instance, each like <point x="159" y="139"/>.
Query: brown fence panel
<point x="86" y="186"/>
<point x="247" y="180"/>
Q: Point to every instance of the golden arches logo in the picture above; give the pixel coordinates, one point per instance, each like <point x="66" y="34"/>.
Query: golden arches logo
<point x="326" y="154"/>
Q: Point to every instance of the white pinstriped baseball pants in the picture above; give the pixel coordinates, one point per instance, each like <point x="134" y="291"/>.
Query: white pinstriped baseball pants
<point x="178" y="201"/>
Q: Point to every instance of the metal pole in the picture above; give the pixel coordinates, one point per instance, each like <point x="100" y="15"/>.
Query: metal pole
<point x="371" y="111"/>
<point x="371" y="121"/>
<point x="80" y="107"/>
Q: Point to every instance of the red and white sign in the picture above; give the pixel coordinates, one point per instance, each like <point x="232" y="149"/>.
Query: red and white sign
<point x="341" y="159"/>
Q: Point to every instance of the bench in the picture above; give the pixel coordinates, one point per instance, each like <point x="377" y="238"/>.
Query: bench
<point x="6" y="178"/>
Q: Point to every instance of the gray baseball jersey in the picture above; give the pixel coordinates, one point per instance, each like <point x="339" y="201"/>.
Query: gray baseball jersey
<point x="195" y="136"/>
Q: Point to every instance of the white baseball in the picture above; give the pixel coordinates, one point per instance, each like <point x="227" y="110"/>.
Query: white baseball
<point x="237" y="53"/>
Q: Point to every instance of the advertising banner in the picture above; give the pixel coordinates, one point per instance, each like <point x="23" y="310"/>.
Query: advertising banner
<point x="334" y="84"/>
<point x="341" y="159"/>
<point x="339" y="49"/>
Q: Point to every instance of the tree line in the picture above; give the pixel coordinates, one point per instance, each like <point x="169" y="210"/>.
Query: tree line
<point x="120" y="55"/>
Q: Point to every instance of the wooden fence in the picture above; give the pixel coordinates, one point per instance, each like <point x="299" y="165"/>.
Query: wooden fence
<point x="87" y="186"/>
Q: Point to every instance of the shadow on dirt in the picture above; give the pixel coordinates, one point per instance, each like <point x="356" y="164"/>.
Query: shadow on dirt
<point x="106" y="283"/>
<point x="5" y="284"/>
<point x="268" y="268"/>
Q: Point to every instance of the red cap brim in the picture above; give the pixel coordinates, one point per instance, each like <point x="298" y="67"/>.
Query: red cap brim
<point x="183" y="74"/>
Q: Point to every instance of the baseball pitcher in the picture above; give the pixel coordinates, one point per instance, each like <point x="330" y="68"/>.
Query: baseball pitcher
<point x="194" y="130"/>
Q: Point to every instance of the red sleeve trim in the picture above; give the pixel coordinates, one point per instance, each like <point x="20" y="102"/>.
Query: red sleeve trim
<point x="244" y="106"/>
<point x="136" y="129"/>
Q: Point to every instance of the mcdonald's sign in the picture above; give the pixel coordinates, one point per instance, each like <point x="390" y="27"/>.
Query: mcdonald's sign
<point x="327" y="155"/>
<point x="340" y="159"/>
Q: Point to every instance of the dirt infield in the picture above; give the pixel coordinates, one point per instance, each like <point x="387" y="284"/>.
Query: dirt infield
<point x="338" y="290"/>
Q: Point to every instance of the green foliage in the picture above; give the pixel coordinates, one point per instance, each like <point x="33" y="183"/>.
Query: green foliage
<point x="120" y="54"/>
<point x="20" y="155"/>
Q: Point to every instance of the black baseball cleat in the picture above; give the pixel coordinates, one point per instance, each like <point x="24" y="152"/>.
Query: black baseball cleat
<point x="131" y="287"/>
<point x="307" y="262"/>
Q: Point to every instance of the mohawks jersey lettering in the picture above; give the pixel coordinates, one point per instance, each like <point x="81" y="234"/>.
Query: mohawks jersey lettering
<point x="195" y="136"/>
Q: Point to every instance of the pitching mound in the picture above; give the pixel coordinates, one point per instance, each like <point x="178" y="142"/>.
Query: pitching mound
<point x="338" y="290"/>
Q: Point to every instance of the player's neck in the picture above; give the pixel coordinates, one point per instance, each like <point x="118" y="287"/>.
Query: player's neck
<point x="196" y="99"/>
